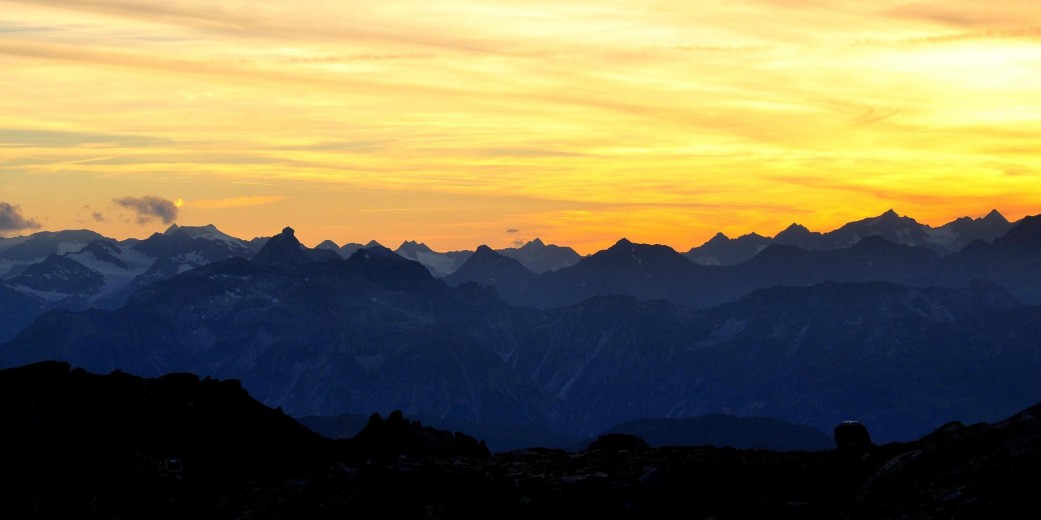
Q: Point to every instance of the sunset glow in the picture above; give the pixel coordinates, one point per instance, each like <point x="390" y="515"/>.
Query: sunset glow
<point x="452" y="122"/>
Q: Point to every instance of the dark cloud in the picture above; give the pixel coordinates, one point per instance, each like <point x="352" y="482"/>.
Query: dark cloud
<point x="513" y="230"/>
<point x="519" y="242"/>
<point x="97" y="215"/>
<point x="149" y="208"/>
<point x="11" y="219"/>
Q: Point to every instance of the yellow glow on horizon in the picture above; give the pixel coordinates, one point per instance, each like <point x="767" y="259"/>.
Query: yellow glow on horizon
<point x="576" y="121"/>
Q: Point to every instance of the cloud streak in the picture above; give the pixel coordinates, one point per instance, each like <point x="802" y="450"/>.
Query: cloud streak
<point x="149" y="208"/>
<point x="31" y="138"/>
<point x="235" y="202"/>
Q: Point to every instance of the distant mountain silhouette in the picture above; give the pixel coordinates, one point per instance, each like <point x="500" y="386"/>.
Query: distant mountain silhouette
<point x="722" y="250"/>
<point x="872" y="259"/>
<point x="439" y="264"/>
<point x="535" y="256"/>
<point x="283" y="250"/>
<point x="409" y="249"/>
<point x="945" y="240"/>
<point x="658" y="272"/>
<point x="641" y="270"/>
<point x="490" y="268"/>
<point x="539" y="257"/>
<point x="799" y="236"/>
<point x="889" y="225"/>
<point x="985" y="229"/>
<point x="1013" y="261"/>
<point x="58" y="274"/>
<point x="38" y="246"/>
<point x="167" y="254"/>
<point x="209" y="232"/>
<point x="330" y="245"/>
<point x="128" y="265"/>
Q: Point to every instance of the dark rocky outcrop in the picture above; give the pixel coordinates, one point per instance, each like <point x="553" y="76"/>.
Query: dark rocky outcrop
<point x="618" y="442"/>
<point x="82" y="445"/>
<point x="77" y="444"/>
<point x="852" y="436"/>
<point x="396" y="436"/>
<point x="720" y="430"/>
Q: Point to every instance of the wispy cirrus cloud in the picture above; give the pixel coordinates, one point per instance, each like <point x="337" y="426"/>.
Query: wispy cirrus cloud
<point x="579" y="102"/>
<point x="969" y="13"/>
<point x="235" y="202"/>
<point x="34" y="138"/>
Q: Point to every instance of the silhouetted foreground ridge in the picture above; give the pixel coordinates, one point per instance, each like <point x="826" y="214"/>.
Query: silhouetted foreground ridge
<point x="81" y="445"/>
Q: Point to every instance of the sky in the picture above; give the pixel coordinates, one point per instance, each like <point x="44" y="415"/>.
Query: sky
<point x="464" y="122"/>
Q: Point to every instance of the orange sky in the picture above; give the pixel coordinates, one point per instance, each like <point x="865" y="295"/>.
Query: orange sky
<point x="461" y="122"/>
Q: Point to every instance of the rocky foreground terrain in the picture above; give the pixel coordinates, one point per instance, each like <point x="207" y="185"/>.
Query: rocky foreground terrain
<point x="82" y="445"/>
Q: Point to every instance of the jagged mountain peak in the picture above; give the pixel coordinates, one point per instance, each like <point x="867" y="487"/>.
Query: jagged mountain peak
<point x="371" y="252"/>
<point x="486" y="256"/>
<point x="539" y="257"/>
<point x="530" y="246"/>
<point x="717" y="238"/>
<point x="995" y="216"/>
<point x="625" y="254"/>
<point x="282" y="249"/>
<point x="622" y="243"/>
<point x="723" y="250"/>
<point x="793" y="231"/>
<point x="637" y="249"/>
<point x="889" y="217"/>
<point x="489" y="267"/>
<point x="410" y="248"/>
<point x="209" y="231"/>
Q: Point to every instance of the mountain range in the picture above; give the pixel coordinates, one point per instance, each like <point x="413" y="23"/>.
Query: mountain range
<point x="899" y="335"/>
<point x="378" y="332"/>
<point x="946" y="239"/>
